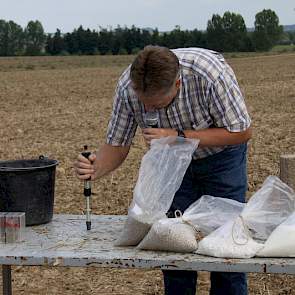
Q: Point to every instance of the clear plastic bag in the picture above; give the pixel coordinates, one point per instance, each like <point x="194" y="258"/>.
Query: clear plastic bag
<point x="183" y="233"/>
<point x="281" y="242"/>
<point x="170" y="234"/>
<point x="244" y="237"/>
<point x="209" y="213"/>
<point x="268" y="207"/>
<point x="231" y="240"/>
<point x="160" y="175"/>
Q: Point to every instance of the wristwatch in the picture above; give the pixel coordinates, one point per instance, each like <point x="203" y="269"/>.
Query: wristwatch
<point x="180" y="133"/>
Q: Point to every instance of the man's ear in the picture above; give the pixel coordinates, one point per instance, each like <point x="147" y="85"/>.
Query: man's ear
<point x="177" y="83"/>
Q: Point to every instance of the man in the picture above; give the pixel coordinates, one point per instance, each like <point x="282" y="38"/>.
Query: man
<point x="196" y="95"/>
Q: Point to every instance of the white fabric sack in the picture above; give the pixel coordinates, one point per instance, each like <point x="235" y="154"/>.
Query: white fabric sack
<point x="267" y="208"/>
<point x="229" y="241"/>
<point x="160" y="175"/>
<point x="281" y="242"/>
<point x="182" y="234"/>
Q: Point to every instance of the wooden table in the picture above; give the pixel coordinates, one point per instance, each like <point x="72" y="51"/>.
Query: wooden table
<point x="66" y="242"/>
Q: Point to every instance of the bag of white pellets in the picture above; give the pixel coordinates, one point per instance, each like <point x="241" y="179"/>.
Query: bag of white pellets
<point x="182" y="234"/>
<point x="232" y="240"/>
<point x="171" y="234"/>
<point x="281" y="242"/>
<point x="160" y="175"/>
<point x="244" y="237"/>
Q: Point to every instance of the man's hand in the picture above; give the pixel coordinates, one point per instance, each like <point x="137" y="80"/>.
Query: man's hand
<point x="105" y="160"/>
<point x="84" y="167"/>
<point x="156" y="133"/>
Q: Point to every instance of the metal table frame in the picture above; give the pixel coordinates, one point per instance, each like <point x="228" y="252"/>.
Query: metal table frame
<point x="66" y="242"/>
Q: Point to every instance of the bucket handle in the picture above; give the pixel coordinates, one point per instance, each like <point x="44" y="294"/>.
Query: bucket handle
<point x="42" y="157"/>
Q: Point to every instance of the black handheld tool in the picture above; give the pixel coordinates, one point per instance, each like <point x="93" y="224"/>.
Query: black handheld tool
<point x="152" y="119"/>
<point x="87" y="192"/>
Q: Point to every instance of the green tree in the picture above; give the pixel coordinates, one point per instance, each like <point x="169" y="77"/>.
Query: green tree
<point x="56" y="44"/>
<point x="15" y="38"/>
<point x="267" y="30"/>
<point x="235" y="32"/>
<point x="292" y="36"/>
<point x="87" y="40"/>
<point x="117" y="41"/>
<point x="155" y="38"/>
<point x="227" y="33"/>
<point x="177" y="38"/>
<point x="3" y="37"/>
<point x="105" y="41"/>
<point x="11" y="38"/>
<point x="72" y="42"/>
<point x="215" y="33"/>
<point x="195" y="38"/>
<point x="145" y="39"/>
<point x="34" y="38"/>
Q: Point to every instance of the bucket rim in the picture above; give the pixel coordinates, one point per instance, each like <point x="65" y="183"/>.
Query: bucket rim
<point x="15" y="169"/>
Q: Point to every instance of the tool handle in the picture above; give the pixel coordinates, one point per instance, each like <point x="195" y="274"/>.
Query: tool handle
<point x="86" y="153"/>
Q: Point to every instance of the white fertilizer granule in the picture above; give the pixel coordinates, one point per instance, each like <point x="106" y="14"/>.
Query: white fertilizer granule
<point x="168" y="235"/>
<point x="133" y="232"/>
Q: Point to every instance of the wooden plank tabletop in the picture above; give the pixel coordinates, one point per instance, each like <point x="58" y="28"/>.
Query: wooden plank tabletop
<point x="66" y="242"/>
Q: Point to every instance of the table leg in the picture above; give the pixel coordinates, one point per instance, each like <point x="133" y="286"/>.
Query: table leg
<point x="6" y="277"/>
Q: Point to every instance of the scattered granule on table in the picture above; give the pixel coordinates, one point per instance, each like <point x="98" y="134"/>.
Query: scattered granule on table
<point x="170" y="236"/>
<point x="133" y="232"/>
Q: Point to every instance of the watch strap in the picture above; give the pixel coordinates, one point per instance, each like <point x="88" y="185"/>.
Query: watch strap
<point x="180" y="133"/>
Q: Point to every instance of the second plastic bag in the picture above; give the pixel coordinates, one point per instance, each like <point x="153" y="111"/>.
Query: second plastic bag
<point x="160" y="175"/>
<point x="244" y="237"/>
<point x="182" y="234"/>
<point x="281" y="242"/>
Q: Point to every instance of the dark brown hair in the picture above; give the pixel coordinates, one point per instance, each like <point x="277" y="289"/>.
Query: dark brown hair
<point x="154" y="70"/>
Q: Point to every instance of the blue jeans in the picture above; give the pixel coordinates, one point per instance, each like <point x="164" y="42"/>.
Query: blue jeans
<point x="221" y="175"/>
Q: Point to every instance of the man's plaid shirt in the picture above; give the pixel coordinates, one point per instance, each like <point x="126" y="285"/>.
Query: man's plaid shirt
<point x="209" y="96"/>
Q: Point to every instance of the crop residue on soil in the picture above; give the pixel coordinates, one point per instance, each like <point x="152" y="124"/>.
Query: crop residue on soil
<point x="53" y="106"/>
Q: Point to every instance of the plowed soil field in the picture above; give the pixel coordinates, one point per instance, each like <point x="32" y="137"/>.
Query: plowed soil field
<point x="54" y="105"/>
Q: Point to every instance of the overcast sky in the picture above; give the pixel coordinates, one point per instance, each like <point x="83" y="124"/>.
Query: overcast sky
<point x="162" y="14"/>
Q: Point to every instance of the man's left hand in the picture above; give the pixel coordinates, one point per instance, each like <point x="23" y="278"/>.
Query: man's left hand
<point x="156" y="133"/>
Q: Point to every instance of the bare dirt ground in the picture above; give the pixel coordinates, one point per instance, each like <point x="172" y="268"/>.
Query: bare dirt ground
<point x="55" y="105"/>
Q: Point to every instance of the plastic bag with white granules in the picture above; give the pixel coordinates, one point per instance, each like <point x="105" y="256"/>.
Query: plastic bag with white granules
<point x="232" y="240"/>
<point x="182" y="234"/>
<point x="244" y="237"/>
<point x="160" y="175"/>
<point x="171" y="234"/>
<point x="281" y="242"/>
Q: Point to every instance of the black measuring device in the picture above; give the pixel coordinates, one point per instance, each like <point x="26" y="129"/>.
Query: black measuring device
<point x="87" y="191"/>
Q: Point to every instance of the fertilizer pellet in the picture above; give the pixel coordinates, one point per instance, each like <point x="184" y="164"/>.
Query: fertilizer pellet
<point x="133" y="232"/>
<point x="170" y="236"/>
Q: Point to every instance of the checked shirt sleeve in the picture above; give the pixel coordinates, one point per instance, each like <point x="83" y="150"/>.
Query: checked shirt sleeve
<point x="122" y="125"/>
<point x="226" y="103"/>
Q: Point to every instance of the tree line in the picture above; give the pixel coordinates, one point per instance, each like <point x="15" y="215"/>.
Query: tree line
<point x="227" y="33"/>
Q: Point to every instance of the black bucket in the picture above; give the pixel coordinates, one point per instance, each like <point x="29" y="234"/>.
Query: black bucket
<point x="28" y="186"/>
